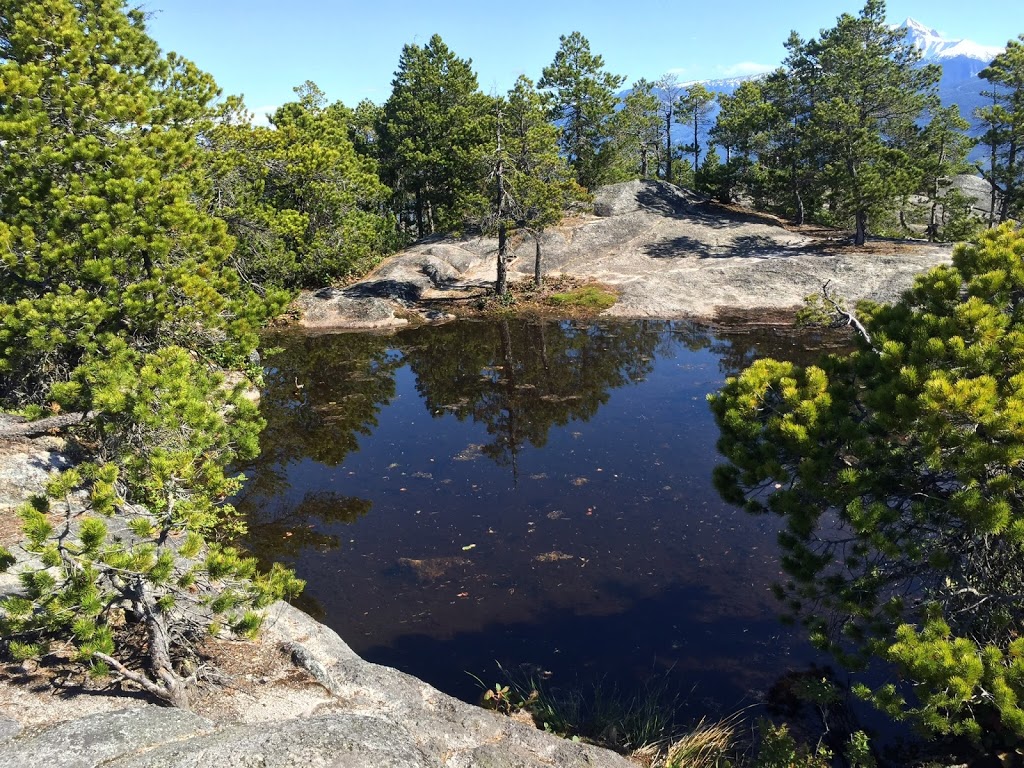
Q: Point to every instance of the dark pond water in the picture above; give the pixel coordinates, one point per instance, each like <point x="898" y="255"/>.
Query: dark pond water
<point x="526" y="494"/>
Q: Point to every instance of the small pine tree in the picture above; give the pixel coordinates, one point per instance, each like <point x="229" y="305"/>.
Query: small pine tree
<point x="896" y="469"/>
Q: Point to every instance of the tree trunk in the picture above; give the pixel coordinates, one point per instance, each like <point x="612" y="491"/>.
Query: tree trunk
<point x="725" y="191"/>
<point x="668" y="147"/>
<point x="501" y="287"/>
<point x="14" y="427"/>
<point x="860" y="236"/>
<point x="501" y="284"/>
<point x="536" y="260"/>
<point x="162" y="682"/>
<point x="696" y="150"/>
<point x="992" y="182"/>
<point x="1011" y="182"/>
<point x="160" y="660"/>
<point x="798" y="201"/>
<point x="419" y="213"/>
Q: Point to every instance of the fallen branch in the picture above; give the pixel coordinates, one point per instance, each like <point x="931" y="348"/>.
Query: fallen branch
<point x="14" y="427"/>
<point x="154" y="689"/>
<point x="839" y="309"/>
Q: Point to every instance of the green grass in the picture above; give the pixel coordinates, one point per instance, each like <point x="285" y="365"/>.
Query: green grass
<point x="584" y="297"/>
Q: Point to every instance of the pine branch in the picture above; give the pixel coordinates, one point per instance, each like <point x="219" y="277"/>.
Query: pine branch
<point x="160" y="691"/>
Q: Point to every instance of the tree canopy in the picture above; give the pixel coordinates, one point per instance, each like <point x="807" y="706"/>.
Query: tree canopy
<point x="837" y="143"/>
<point x="432" y="134"/>
<point x="118" y="301"/>
<point x="583" y="99"/>
<point x="898" y="471"/>
<point x="304" y="205"/>
<point x="1004" y="121"/>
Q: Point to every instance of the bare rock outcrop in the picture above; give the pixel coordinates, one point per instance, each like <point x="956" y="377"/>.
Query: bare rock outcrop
<point x="367" y="715"/>
<point x="667" y="251"/>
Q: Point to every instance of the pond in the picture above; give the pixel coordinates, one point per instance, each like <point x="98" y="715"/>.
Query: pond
<point x="531" y="494"/>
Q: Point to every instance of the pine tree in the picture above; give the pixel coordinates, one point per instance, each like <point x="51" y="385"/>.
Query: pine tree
<point x="668" y="90"/>
<point x="836" y="136"/>
<point x="1004" y="120"/>
<point x="696" y="104"/>
<point x="793" y="161"/>
<point x="432" y="137"/>
<point x="118" y="303"/>
<point x="636" y="128"/>
<point x="870" y="88"/>
<point x="533" y="183"/>
<point x="897" y="471"/>
<point x="583" y="100"/>
<point x="943" y="148"/>
<point x="742" y="120"/>
<point x="306" y="208"/>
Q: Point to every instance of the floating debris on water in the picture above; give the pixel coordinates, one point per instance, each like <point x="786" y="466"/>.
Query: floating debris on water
<point x="552" y="557"/>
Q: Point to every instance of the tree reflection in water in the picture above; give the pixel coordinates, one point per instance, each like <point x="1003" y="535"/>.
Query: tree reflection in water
<point x="345" y="435"/>
<point x="521" y="379"/>
<point x="518" y="379"/>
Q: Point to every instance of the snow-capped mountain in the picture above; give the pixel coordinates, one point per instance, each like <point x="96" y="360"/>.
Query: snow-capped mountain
<point x="936" y="48"/>
<point x="961" y="62"/>
<point x="724" y="84"/>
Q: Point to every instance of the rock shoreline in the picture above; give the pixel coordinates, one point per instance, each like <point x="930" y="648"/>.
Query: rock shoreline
<point x="360" y="714"/>
<point x="667" y="252"/>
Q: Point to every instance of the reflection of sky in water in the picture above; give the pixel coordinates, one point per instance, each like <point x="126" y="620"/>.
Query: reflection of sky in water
<point x="441" y="545"/>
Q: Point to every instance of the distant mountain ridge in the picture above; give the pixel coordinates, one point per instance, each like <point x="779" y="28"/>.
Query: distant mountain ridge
<point x="961" y="61"/>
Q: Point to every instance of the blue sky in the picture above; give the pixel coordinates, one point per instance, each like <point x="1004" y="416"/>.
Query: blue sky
<point x="263" y="48"/>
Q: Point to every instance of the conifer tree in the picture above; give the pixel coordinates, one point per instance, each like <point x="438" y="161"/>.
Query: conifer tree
<point x="636" y="127"/>
<point x="533" y="183"/>
<point x="304" y="206"/>
<point x="118" y="303"/>
<point x="943" y="146"/>
<point x="870" y="88"/>
<point x="836" y="136"/>
<point x="583" y="100"/>
<point x="667" y="89"/>
<point x="432" y="137"/>
<point x="794" y="161"/>
<point x="1004" y="120"/>
<point x="897" y="471"/>
<point x="696" y="103"/>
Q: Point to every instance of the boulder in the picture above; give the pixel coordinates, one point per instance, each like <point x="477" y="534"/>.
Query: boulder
<point x="95" y="739"/>
<point x="644" y="195"/>
<point x="333" y="308"/>
<point x="977" y="189"/>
